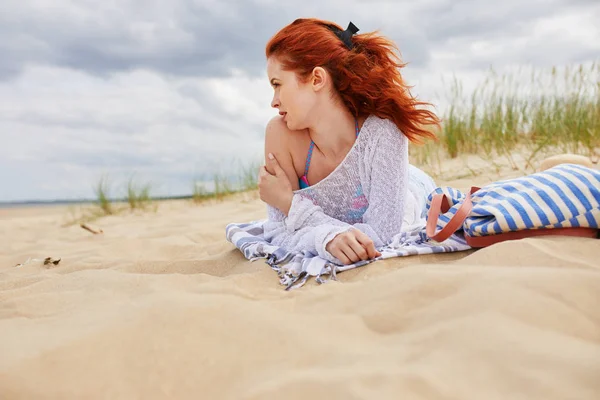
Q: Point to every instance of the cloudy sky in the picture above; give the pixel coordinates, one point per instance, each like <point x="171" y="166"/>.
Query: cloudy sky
<point x="170" y="90"/>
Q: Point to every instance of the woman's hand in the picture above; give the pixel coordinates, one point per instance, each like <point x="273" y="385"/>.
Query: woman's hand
<point x="275" y="190"/>
<point x="352" y="246"/>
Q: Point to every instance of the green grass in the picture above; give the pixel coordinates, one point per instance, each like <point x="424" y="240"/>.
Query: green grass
<point x="558" y="110"/>
<point x="138" y="196"/>
<point x="242" y="178"/>
<point x="248" y="176"/>
<point x="102" y="192"/>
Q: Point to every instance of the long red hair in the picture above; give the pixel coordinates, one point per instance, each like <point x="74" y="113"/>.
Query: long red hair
<point x="367" y="77"/>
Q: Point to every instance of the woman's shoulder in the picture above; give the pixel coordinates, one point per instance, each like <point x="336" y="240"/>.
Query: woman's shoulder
<point x="379" y="128"/>
<point x="285" y="145"/>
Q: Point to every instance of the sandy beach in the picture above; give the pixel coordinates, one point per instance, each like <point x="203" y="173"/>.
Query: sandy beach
<point x="161" y="306"/>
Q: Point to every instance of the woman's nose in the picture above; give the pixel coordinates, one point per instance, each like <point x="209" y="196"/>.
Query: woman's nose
<point x="275" y="102"/>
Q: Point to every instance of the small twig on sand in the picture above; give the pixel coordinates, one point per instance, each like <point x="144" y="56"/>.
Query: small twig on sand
<point x="94" y="231"/>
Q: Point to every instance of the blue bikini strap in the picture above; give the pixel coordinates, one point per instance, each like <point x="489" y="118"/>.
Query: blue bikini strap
<point x="312" y="145"/>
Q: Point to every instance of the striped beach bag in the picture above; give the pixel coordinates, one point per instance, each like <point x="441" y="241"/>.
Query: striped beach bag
<point x="563" y="200"/>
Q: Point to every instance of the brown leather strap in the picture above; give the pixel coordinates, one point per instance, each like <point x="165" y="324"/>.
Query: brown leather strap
<point x="440" y="203"/>
<point x="484" y="241"/>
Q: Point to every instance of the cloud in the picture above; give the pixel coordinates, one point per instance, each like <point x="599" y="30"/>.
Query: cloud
<point x="67" y="126"/>
<point x="212" y="38"/>
<point x="190" y="38"/>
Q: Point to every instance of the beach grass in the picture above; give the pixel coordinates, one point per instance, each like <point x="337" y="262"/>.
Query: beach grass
<point x="138" y="195"/>
<point x="559" y="109"/>
<point x="242" y="178"/>
<point x="526" y="111"/>
<point x="102" y="192"/>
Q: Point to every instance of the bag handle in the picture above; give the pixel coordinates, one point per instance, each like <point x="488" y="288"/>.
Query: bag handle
<point x="440" y="203"/>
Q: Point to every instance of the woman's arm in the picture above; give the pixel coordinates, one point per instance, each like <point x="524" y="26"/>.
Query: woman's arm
<point x="277" y="142"/>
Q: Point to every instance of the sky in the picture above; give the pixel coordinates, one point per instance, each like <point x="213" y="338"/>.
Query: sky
<point x="171" y="91"/>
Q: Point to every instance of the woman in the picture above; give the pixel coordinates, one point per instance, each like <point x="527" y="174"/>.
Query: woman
<point x="337" y="179"/>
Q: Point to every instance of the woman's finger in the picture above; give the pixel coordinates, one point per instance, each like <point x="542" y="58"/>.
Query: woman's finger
<point x="358" y="249"/>
<point x="349" y="253"/>
<point x="275" y="165"/>
<point x="339" y="254"/>
<point x="263" y="171"/>
<point x="367" y="243"/>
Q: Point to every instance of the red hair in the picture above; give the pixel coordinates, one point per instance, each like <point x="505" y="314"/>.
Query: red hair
<point x="367" y="77"/>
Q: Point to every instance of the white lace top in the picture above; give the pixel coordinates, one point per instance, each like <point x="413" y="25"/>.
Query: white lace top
<point x="368" y="191"/>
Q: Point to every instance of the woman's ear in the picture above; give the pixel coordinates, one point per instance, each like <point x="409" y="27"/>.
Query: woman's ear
<point x="319" y="78"/>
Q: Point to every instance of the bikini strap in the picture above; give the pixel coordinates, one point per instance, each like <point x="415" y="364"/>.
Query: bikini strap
<point x="308" y="158"/>
<point x="312" y="145"/>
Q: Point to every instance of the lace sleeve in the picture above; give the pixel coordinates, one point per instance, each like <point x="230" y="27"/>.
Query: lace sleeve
<point x="388" y="183"/>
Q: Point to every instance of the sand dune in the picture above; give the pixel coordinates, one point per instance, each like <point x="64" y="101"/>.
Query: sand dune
<point x="161" y="306"/>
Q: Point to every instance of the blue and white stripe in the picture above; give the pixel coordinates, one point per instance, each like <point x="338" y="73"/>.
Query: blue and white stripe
<point x="565" y="196"/>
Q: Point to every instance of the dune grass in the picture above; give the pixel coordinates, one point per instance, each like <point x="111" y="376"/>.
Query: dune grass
<point x="243" y="178"/>
<point x="102" y="192"/>
<point x="138" y="196"/>
<point x="558" y="110"/>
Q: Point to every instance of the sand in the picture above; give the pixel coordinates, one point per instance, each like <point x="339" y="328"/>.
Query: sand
<point x="161" y="306"/>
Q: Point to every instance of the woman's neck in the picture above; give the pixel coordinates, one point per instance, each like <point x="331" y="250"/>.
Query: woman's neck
<point x="334" y="132"/>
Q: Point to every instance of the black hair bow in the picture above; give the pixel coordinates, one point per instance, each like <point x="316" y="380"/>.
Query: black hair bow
<point x="346" y="36"/>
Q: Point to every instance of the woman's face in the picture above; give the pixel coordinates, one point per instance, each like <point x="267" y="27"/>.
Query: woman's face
<point x="293" y="98"/>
